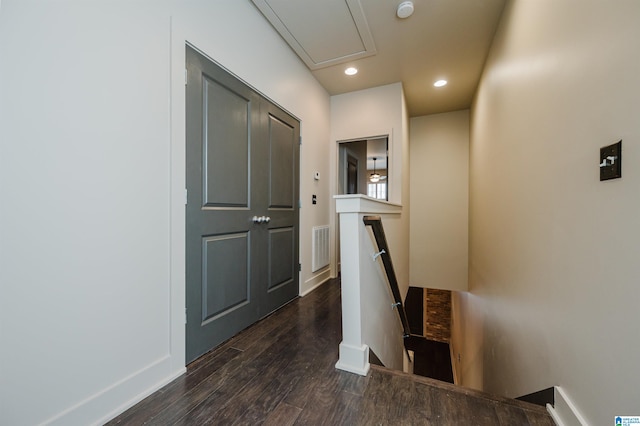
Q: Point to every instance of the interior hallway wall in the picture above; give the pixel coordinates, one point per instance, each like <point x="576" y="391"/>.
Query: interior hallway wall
<point x="359" y="115"/>
<point x="553" y="251"/>
<point x="92" y="190"/>
<point x="365" y="114"/>
<point x="439" y="241"/>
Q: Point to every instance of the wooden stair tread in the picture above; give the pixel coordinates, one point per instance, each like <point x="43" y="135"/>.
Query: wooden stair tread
<point x="474" y="393"/>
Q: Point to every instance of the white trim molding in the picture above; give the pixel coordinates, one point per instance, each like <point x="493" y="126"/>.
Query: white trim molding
<point x="316" y="281"/>
<point x="354" y="359"/>
<point x="358" y="203"/>
<point x="564" y="412"/>
<point x="131" y="389"/>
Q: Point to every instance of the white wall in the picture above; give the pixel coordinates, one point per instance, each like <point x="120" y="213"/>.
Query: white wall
<point x="365" y="114"/>
<point x="553" y="251"/>
<point x="382" y="329"/>
<point x="439" y="243"/>
<point x="92" y="190"/>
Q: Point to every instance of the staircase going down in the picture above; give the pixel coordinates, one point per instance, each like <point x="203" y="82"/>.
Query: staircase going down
<point x="429" y="316"/>
<point x="431" y="356"/>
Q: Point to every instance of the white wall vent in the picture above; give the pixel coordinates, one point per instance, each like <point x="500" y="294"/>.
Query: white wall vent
<point x="319" y="247"/>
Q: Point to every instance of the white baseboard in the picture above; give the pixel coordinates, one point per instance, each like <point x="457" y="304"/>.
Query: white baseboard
<point x="454" y="364"/>
<point x="407" y="361"/>
<point x="315" y="282"/>
<point x="106" y="404"/>
<point x="564" y="412"/>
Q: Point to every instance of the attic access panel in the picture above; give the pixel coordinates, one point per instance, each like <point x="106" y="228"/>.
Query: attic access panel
<point x="322" y="33"/>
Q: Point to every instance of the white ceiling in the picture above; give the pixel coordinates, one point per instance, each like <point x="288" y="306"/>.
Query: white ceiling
<point x="443" y="39"/>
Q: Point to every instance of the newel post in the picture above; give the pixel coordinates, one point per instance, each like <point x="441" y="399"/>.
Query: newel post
<point x="354" y="353"/>
<point x="355" y="256"/>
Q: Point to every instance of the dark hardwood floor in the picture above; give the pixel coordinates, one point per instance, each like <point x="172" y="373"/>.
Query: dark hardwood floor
<point x="280" y="371"/>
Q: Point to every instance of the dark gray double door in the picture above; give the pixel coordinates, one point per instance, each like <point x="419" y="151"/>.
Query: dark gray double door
<point x="242" y="160"/>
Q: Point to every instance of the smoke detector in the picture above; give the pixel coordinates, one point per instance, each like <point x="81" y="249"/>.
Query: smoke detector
<point x="405" y="9"/>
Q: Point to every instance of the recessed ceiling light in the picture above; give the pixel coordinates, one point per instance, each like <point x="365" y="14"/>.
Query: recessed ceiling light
<point x="440" y="83"/>
<point x="405" y="9"/>
<point x="351" y="71"/>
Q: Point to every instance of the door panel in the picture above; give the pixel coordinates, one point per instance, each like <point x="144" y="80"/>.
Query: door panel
<point x="281" y="258"/>
<point x="284" y="153"/>
<point x="225" y="275"/>
<point x="242" y="159"/>
<point x="281" y="153"/>
<point x="226" y="147"/>
<point x="222" y="115"/>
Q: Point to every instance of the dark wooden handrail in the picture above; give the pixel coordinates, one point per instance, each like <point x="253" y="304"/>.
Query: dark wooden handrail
<point x="375" y="222"/>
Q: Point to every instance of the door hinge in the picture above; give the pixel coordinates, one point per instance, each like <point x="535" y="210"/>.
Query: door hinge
<point x="185" y="315"/>
<point x="186" y="196"/>
<point x="299" y="204"/>
<point x="186" y="76"/>
<point x="299" y="267"/>
<point x="300" y="142"/>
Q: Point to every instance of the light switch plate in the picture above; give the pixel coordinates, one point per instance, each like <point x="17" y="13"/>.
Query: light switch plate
<point x="611" y="161"/>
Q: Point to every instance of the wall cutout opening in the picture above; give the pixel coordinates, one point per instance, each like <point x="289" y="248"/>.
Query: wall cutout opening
<point x="363" y="167"/>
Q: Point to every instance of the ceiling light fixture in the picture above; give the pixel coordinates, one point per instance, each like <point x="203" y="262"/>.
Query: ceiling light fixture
<point x="374" y="177"/>
<point x="351" y="71"/>
<point x="440" y="83"/>
<point x="405" y="9"/>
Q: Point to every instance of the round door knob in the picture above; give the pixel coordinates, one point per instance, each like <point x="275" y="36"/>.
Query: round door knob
<point x="267" y="219"/>
<point x="257" y="219"/>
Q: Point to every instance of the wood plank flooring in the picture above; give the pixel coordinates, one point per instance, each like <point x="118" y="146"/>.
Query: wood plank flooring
<point x="280" y="371"/>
